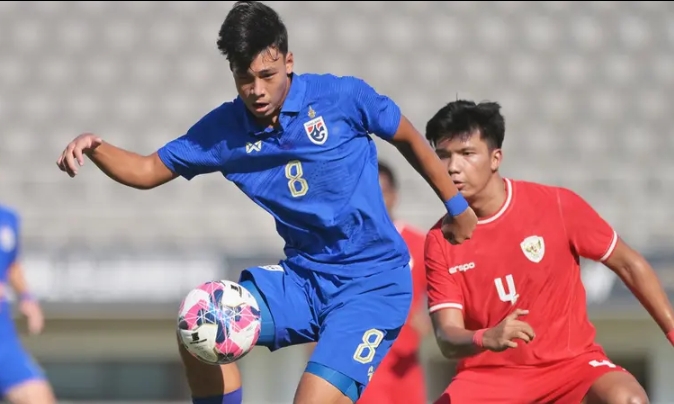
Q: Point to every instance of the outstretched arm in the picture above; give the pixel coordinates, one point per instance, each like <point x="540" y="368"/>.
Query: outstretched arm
<point x="422" y="157"/>
<point x="125" y="167"/>
<point x="131" y="169"/>
<point x="196" y="152"/>
<point x="416" y="150"/>
<point x="592" y="237"/>
<point x="382" y="116"/>
<point x="639" y="277"/>
<point x="27" y="304"/>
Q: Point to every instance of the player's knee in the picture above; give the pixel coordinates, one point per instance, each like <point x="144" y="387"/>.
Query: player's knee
<point x="638" y="398"/>
<point x="628" y="397"/>
<point x="207" y="380"/>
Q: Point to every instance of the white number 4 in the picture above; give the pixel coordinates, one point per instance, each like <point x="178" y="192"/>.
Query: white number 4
<point x="366" y="350"/>
<point x="596" y="363"/>
<point x="510" y="296"/>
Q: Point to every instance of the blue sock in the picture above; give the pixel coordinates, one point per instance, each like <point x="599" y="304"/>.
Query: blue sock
<point x="233" y="397"/>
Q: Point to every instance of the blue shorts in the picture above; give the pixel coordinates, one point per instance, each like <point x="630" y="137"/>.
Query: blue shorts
<point x="16" y="365"/>
<point x="355" y="320"/>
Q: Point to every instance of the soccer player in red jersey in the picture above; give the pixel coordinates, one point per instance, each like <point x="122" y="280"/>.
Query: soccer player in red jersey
<point x="399" y="379"/>
<point x="510" y="304"/>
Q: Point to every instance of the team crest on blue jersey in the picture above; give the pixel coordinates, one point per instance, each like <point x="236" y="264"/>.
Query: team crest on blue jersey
<point x="7" y="239"/>
<point x="316" y="130"/>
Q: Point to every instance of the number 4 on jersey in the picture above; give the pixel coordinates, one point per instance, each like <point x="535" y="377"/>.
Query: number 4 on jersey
<point x="509" y="296"/>
<point x="596" y="363"/>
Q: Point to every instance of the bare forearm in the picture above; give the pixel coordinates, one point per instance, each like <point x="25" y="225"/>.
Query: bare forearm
<point x="424" y="160"/>
<point x="644" y="284"/>
<point x="456" y="342"/>
<point x="127" y="168"/>
<point x="422" y="157"/>
<point x="17" y="280"/>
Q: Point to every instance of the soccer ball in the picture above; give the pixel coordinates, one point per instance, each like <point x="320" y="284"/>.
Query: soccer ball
<point x="219" y="322"/>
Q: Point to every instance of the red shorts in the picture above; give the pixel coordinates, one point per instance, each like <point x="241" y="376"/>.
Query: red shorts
<point x="565" y="382"/>
<point x="396" y="383"/>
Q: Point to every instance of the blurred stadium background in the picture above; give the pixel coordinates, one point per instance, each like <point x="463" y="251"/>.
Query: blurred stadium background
<point x="586" y="89"/>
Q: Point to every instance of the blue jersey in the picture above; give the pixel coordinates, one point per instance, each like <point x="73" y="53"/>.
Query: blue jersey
<point x="317" y="174"/>
<point x="9" y="241"/>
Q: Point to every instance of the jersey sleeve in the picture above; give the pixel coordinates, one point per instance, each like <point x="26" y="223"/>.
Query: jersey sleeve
<point x="199" y="151"/>
<point x="379" y="114"/>
<point x="443" y="290"/>
<point x="588" y="233"/>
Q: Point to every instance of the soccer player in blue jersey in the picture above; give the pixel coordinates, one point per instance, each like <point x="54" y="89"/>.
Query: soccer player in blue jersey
<point x="299" y="147"/>
<point x="21" y="379"/>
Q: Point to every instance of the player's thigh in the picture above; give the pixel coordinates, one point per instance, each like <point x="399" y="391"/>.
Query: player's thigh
<point x="315" y="389"/>
<point x="21" y="378"/>
<point x="359" y="328"/>
<point x="616" y="387"/>
<point x="592" y="378"/>
<point x="282" y="296"/>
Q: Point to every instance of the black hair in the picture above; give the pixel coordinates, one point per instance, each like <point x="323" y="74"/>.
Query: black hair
<point x="386" y="171"/>
<point x="461" y="118"/>
<point x="249" y="29"/>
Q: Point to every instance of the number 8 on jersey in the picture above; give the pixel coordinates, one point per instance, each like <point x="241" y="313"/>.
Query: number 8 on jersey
<point x="296" y="183"/>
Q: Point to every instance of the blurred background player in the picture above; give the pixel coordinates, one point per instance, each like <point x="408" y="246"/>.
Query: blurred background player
<point x="21" y="379"/>
<point x="510" y="304"/>
<point x="299" y="146"/>
<point x="400" y="376"/>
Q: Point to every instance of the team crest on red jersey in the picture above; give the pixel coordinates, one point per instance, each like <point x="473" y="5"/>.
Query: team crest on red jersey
<point x="316" y="130"/>
<point x="533" y="248"/>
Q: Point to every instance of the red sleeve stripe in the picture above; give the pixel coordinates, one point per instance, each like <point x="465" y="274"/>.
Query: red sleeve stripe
<point x="443" y="306"/>
<point x="611" y="247"/>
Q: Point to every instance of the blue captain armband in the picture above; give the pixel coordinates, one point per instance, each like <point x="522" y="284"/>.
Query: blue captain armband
<point x="456" y="205"/>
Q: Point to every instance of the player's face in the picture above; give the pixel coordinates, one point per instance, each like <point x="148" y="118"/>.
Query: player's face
<point x="390" y="194"/>
<point x="470" y="162"/>
<point x="264" y="85"/>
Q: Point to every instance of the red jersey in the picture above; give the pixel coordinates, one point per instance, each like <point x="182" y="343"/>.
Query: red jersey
<point x="408" y="341"/>
<point x="525" y="256"/>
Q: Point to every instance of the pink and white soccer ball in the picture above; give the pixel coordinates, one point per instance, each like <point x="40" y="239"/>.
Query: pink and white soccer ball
<point x="219" y="322"/>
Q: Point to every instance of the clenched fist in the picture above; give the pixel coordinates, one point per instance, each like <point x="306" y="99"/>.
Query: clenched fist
<point x="459" y="228"/>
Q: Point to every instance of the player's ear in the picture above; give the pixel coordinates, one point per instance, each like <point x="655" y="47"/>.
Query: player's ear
<point x="496" y="158"/>
<point x="290" y="63"/>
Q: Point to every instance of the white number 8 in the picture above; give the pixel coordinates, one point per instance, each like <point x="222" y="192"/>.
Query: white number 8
<point x="298" y="186"/>
<point x="366" y="350"/>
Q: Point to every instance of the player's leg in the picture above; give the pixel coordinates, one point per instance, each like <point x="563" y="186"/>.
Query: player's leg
<point x="591" y="378"/>
<point x="209" y="383"/>
<point x="21" y="379"/>
<point x="616" y="387"/>
<point x="359" y="323"/>
<point x="286" y="320"/>
<point x="483" y="386"/>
